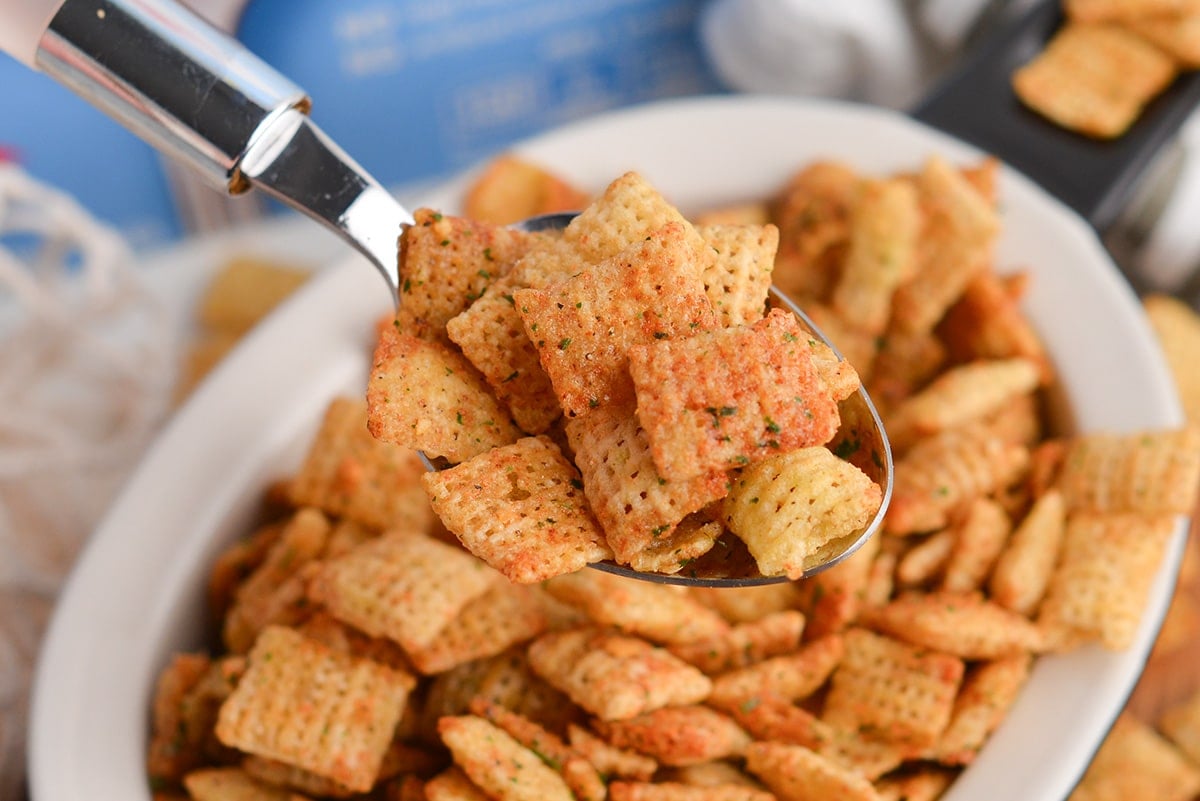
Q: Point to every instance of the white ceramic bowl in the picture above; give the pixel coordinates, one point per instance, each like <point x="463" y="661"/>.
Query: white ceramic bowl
<point x="136" y="594"/>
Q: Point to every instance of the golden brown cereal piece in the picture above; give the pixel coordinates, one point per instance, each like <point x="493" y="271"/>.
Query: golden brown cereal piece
<point x="795" y="773"/>
<point x="615" y="677"/>
<point x="511" y="189"/>
<point x="315" y="708"/>
<point x="1149" y="472"/>
<point x="608" y="759"/>
<point x="175" y="746"/>
<point x="1135" y="762"/>
<point x="638" y="509"/>
<point x="898" y="693"/>
<point x="521" y="509"/>
<point x="401" y="586"/>
<point x="348" y="473"/>
<point x="333" y="633"/>
<point x="446" y="263"/>
<point x="275" y="591"/>
<point x="726" y="398"/>
<point x="498" y="764"/>
<point x="955" y="245"/>
<point x="787" y="507"/>
<point x="1124" y="10"/>
<point x="905" y="362"/>
<point x="773" y="718"/>
<point x="1177" y="327"/>
<point x="452" y="785"/>
<point x="1104" y="573"/>
<point x="585" y="326"/>
<point x="693" y="539"/>
<point x="962" y="394"/>
<point x="710" y="774"/>
<point x="948" y="469"/>
<point x="232" y="784"/>
<point x="747" y="604"/>
<point x="501" y="617"/>
<point x="738" y="281"/>
<point x="925" y="560"/>
<point x="924" y="783"/>
<point x="987" y="692"/>
<point x="1023" y="570"/>
<point x="813" y="215"/>
<point x="744" y="644"/>
<point x="792" y="677"/>
<point x="426" y="396"/>
<point x="244" y="290"/>
<point x="858" y="347"/>
<point x="658" y="612"/>
<point x="276" y="774"/>
<point x="1019" y="422"/>
<point x="1178" y="35"/>
<point x="676" y="791"/>
<point x="884" y="226"/>
<point x="987" y="323"/>
<point x="1094" y="78"/>
<point x="958" y="623"/>
<point x="1181" y="724"/>
<point x="203" y="353"/>
<point x="980" y="536"/>
<point x="678" y="735"/>
<point x="831" y="599"/>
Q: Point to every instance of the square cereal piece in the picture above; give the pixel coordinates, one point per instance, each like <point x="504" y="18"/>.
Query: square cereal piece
<point x="774" y="634"/>
<point x="1149" y="472"/>
<point x="450" y="785"/>
<point x="511" y="188"/>
<point x="401" y="586"/>
<point x="315" y="708"/>
<point x="725" y="398"/>
<point x="608" y="759"/>
<point x="787" y="508"/>
<point x="499" y="765"/>
<point x="891" y="691"/>
<point x="423" y="395"/>
<point x="1094" y="78"/>
<point x="987" y="692"/>
<point x="963" y="624"/>
<point x="1104" y="573"/>
<point x="813" y="214"/>
<point x="446" y="263"/>
<point x="615" y="677"/>
<point x="501" y="617"/>
<point x="1181" y="724"/>
<point x="1179" y="35"/>
<point x="789" y="677"/>
<point x="521" y="509"/>
<point x="832" y="598"/>
<point x="1135" y="762"/>
<point x="738" y="281"/>
<point x="678" y="735"/>
<point x="658" y="612"/>
<point x="584" y="327"/>
<point x="231" y="784"/>
<point x="276" y="774"/>
<point x="638" y="509"/>
<point x="1125" y="10"/>
<point x="349" y="473"/>
<point x="795" y="773"/>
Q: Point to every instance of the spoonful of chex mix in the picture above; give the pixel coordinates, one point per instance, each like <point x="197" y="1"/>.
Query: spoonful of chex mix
<point x="628" y="393"/>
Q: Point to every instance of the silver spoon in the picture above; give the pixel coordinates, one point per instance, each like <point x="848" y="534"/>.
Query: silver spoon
<point x="200" y="97"/>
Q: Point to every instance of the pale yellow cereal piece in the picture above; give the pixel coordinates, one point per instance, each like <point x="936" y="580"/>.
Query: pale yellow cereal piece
<point x="232" y="784"/>
<point x="987" y="692"/>
<point x="1104" y="573"/>
<point x="511" y="188"/>
<point x="1124" y="10"/>
<point x="400" y="586"/>
<point x="946" y="470"/>
<point x="1135" y="762"/>
<point x="1177" y="327"/>
<point x="898" y="693"/>
<point x="1024" y="568"/>
<point x="1094" y="78"/>
<point x="613" y="676"/>
<point x="795" y="773"/>
<point x="637" y="508"/>
<point x="521" y="509"/>
<point x="498" y="764"/>
<point x="925" y="560"/>
<point x="1178" y="34"/>
<point x="503" y="616"/>
<point x="739" y="278"/>
<point x="660" y="613"/>
<point x="963" y="624"/>
<point x="962" y="394"/>
<point x="314" y="708"/>
<point x="791" y="677"/>
<point x="349" y="473"/>
<point x="424" y="395"/>
<point x="1181" y="725"/>
<point x="744" y="644"/>
<point x="753" y="212"/>
<point x="1148" y="472"/>
<point x="955" y="245"/>
<point x="980" y="536"/>
<point x="608" y="759"/>
<point x="244" y="289"/>
<point x="676" y="791"/>
<point x="884" y="226"/>
<point x="787" y="507"/>
<point x="678" y="735"/>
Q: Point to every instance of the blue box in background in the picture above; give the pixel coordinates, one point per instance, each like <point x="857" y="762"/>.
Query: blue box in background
<point x="412" y="90"/>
